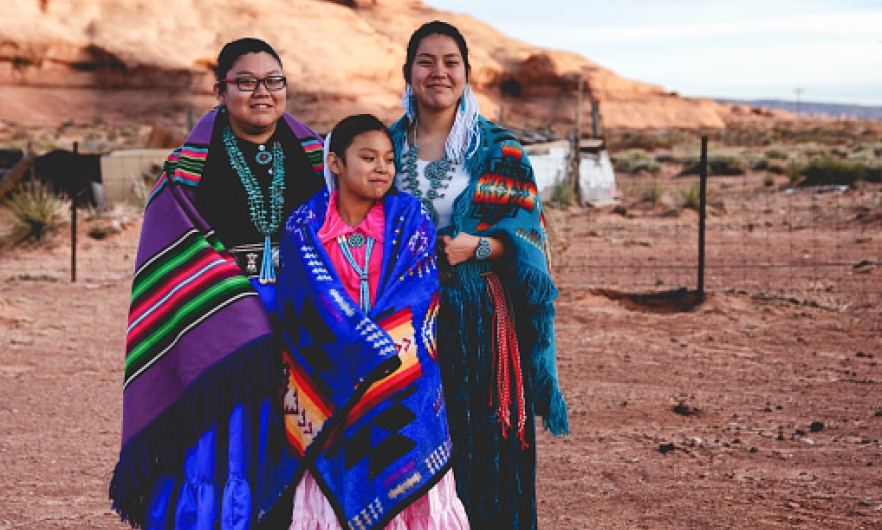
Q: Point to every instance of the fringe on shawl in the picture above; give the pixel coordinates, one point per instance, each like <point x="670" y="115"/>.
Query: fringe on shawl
<point x="535" y="289"/>
<point x="158" y="450"/>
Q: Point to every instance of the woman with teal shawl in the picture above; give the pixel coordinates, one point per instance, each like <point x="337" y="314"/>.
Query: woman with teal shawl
<point x="496" y="321"/>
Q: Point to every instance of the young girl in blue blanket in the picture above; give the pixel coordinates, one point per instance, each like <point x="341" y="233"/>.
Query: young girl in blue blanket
<point x="358" y="295"/>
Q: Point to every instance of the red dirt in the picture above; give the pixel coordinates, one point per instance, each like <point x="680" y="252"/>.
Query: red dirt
<point x="740" y="412"/>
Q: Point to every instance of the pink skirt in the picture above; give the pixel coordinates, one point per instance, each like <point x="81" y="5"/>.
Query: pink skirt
<point x="439" y="509"/>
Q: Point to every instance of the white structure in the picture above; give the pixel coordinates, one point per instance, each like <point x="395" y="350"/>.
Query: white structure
<point x="123" y="173"/>
<point x="597" y="181"/>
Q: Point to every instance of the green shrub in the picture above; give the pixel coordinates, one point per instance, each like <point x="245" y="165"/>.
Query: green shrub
<point x="39" y="213"/>
<point x="778" y="167"/>
<point x="777" y="153"/>
<point x="563" y="192"/>
<point x="665" y="156"/>
<point x="811" y="150"/>
<point x="723" y="163"/>
<point x="634" y="161"/>
<point x="830" y="171"/>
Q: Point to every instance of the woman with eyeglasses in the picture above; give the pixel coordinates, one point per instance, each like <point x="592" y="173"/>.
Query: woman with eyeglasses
<point x="202" y="438"/>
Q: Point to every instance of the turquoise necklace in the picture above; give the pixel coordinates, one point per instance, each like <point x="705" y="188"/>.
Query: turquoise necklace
<point x="255" y="198"/>
<point x="364" y="292"/>
<point x="436" y="172"/>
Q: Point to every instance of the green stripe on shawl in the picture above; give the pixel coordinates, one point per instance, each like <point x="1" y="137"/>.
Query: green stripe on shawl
<point x="201" y="305"/>
<point x="158" y="273"/>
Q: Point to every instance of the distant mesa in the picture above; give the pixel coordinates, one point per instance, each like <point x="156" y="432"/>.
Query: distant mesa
<point x="130" y="62"/>
<point x="809" y="109"/>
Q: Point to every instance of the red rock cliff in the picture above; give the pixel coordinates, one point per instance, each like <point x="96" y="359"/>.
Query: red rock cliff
<point x="147" y="61"/>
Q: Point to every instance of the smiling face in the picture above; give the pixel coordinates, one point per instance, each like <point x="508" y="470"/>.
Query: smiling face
<point x="367" y="172"/>
<point x="253" y="115"/>
<point x="438" y="73"/>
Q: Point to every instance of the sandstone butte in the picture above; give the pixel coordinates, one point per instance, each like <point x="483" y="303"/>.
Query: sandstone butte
<point x="148" y="61"/>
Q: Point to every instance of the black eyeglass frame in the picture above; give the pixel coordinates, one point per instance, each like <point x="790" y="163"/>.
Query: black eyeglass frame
<point x="238" y="81"/>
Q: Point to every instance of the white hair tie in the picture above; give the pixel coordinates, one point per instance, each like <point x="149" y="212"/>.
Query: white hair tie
<point x="462" y="141"/>
<point x="330" y="178"/>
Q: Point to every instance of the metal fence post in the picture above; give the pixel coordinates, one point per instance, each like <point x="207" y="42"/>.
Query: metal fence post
<point x="73" y="229"/>
<point x="702" y="205"/>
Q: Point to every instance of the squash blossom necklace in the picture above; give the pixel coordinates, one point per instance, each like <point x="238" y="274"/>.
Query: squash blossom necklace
<point x="436" y="173"/>
<point x="255" y="195"/>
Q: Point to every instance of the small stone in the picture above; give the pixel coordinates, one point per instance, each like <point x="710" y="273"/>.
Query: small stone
<point x="817" y="426"/>
<point x="792" y="505"/>
<point x="666" y="448"/>
<point x="867" y="502"/>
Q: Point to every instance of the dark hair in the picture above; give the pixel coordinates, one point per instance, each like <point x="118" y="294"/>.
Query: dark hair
<point x="348" y="128"/>
<point x="231" y="52"/>
<point x="436" y="27"/>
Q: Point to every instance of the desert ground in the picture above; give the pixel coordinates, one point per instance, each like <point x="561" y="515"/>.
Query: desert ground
<point x="758" y="407"/>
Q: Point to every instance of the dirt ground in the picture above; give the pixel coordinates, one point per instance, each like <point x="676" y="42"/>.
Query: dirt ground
<point x="742" y="411"/>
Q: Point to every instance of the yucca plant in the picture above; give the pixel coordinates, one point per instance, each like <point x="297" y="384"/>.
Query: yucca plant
<point x="39" y="212"/>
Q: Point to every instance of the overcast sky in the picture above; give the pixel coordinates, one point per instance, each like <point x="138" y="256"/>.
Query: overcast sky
<point x="739" y="49"/>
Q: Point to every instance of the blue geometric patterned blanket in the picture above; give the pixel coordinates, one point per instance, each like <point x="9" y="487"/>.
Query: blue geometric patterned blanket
<point x="364" y="408"/>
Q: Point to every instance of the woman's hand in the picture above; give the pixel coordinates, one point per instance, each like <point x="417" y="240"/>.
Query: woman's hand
<point x="462" y="248"/>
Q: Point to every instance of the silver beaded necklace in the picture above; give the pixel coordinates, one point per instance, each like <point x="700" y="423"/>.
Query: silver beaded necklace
<point x="437" y="172"/>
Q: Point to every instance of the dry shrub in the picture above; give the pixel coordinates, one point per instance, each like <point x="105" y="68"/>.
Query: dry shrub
<point x="690" y="196"/>
<point x="39" y="213"/>
<point x="653" y="192"/>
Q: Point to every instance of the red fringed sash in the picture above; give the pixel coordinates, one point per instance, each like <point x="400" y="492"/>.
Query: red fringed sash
<point x="507" y="360"/>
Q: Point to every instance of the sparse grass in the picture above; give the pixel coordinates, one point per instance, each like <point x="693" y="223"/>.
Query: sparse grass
<point x="794" y="170"/>
<point x="768" y="180"/>
<point x="564" y="194"/>
<point x="558" y="239"/>
<point x="653" y="192"/>
<point x="39" y="213"/>
<point x="691" y="195"/>
<point x="869" y="150"/>
<point x="647" y="140"/>
<point x="634" y="161"/>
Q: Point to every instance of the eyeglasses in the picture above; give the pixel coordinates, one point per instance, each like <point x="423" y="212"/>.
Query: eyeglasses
<point x="272" y="83"/>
